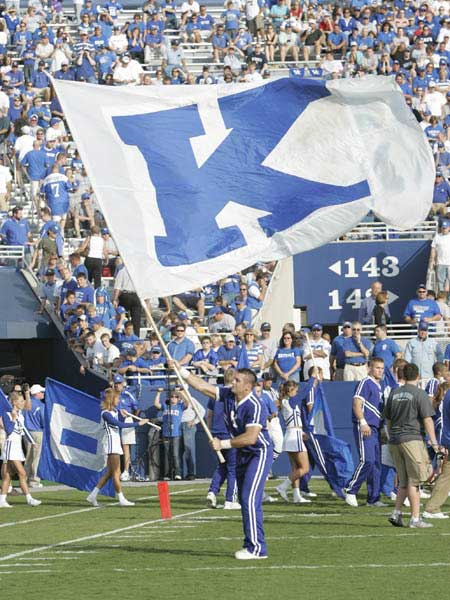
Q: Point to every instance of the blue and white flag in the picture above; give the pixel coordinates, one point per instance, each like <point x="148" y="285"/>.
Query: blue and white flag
<point x="243" y="362"/>
<point x="72" y="449"/>
<point x="332" y="456"/>
<point x="197" y="182"/>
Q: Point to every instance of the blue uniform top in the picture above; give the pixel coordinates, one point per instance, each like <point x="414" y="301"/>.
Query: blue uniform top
<point x="249" y="411"/>
<point x="386" y="349"/>
<point x="127" y="401"/>
<point x="370" y="393"/>
<point x="33" y="418"/>
<point x="211" y="357"/>
<point x="56" y="188"/>
<point x="171" y="418"/>
<point x="269" y="403"/>
<point x="35" y="161"/>
<point x="418" y="309"/>
<point x="445" y="409"/>
<point x="218" y="425"/>
<point x="431" y="389"/>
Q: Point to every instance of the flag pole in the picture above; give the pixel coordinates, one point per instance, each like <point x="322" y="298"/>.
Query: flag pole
<point x="165" y="349"/>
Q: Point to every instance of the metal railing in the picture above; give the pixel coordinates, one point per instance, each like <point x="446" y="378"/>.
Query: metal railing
<point x="372" y="231"/>
<point x="439" y="330"/>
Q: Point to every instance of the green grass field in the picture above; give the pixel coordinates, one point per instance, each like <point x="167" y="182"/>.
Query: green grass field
<point x="65" y="549"/>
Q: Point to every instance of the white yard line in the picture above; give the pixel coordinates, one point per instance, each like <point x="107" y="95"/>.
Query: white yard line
<point x="88" y="538"/>
<point x="25" y="571"/>
<point x="84" y="510"/>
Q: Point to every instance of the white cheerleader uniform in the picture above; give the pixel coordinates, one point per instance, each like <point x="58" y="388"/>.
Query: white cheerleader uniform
<point x="12" y="448"/>
<point x="111" y="442"/>
<point x="293" y="438"/>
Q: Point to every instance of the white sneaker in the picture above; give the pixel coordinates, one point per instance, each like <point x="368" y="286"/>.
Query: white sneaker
<point x="125" y="476"/>
<point x="269" y="499"/>
<point x="436" y="515"/>
<point x="244" y="554"/>
<point x="177" y="477"/>
<point x="36" y="484"/>
<point x="351" y="500"/>
<point x="232" y="506"/>
<point x="211" y="500"/>
<point x="126" y="502"/>
<point x="419" y="524"/>
<point x="309" y="494"/>
<point x="407" y="502"/>
<point x="393" y="496"/>
<point x="282" y="492"/>
<point x="301" y="500"/>
<point x="424" y="494"/>
<point x="4" y="504"/>
<point x="33" y="502"/>
<point x="377" y="504"/>
<point x="92" y="500"/>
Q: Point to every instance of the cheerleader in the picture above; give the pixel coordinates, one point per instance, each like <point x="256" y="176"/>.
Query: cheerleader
<point x="12" y="455"/>
<point x="293" y="442"/>
<point x="112" y="446"/>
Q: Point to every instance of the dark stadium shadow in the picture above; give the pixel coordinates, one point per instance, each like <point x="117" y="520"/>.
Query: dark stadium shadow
<point x="164" y="551"/>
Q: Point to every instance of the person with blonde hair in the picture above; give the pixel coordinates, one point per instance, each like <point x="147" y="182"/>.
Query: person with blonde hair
<point x="12" y="454"/>
<point x="112" y="446"/>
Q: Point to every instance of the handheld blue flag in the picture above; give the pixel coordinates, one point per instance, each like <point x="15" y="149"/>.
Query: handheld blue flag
<point x="72" y="452"/>
<point x="243" y="362"/>
<point x="5" y="405"/>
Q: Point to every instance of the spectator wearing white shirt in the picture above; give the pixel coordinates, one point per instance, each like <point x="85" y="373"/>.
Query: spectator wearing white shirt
<point x="232" y="61"/>
<point x="127" y="72"/>
<point x="188" y="9"/>
<point x="110" y="352"/>
<point x="252" y="74"/>
<point x="440" y="255"/>
<point x="317" y="353"/>
<point x="5" y="186"/>
<point x="434" y="100"/>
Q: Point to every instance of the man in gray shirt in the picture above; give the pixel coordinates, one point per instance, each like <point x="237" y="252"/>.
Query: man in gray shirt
<point x="408" y="413"/>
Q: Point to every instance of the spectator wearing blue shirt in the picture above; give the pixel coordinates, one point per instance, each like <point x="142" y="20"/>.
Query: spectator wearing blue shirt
<point x="205" y="22"/>
<point x="228" y="353"/>
<point x="421" y="309"/>
<point x="347" y="23"/>
<point x="205" y="360"/>
<point x="357" y="351"/>
<point x="287" y="359"/>
<point x="181" y="348"/>
<point x="43" y="112"/>
<point x="219" y="41"/>
<point x="365" y="312"/>
<point x="105" y="61"/>
<point x="65" y="73"/>
<point x="231" y="19"/>
<point x="441" y="192"/>
<point x="84" y="292"/>
<point x="385" y="348"/>
<point x="41" y="82"/>
<point x="337" y="353"/>
<point x="34" y="163"/>
<point x="171" y="430"/>
<point x="337" y="41"/>
<point x="243" y="314"/>
<point x="34" y="422"/>
<point x="279" y="13"/>
<point x="16" y="230"/>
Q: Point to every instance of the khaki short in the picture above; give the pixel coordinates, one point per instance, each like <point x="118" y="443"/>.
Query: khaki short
<point x="412" y="462"/>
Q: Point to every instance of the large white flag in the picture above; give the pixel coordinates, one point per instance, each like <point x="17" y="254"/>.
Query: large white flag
<point x="197" y="182"/>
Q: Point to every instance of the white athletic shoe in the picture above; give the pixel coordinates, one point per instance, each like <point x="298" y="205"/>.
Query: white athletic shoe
<point x="126" y="502"/>
<point x="377" y="504"/>
<point x="424" y="494"/>
<point x="351" y="500"/>
<point x="232" y="506"/>
<point x="92" y="500"/>
<point x="244" y="554"/>
<point x="4" y="504"/>
<point x="301" y="500"/>
<point x="393" y="496"/>
<point x="407" y="502"/>
<point x="282" y="492"/>
<point x="269" y="499"/>
<point x="436" y="515"/>
<point x="309" y="494"/>
<point x="33" y="502"/>
<point x="177" y="477"/>
<point x="125" y="476"/>
<point x="35" y="485"/>
<point x="211" y="500"/>
<point x="419" y="524"/>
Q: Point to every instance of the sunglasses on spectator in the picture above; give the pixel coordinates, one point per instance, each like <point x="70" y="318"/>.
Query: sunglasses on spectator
<point x="180" y="330"/>
<point x="356" y="329"/>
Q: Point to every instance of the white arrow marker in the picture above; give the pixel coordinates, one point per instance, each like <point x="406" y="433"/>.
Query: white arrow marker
<point x="205" y="145"/>
<point x="391" y="297"/>
<point x="336" y="267"/>
<point x="246" y="219"/>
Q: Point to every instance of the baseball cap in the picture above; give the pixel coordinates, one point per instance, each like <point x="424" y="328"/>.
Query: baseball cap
<point x="33" y="118"/>
<point x="445" y="223"/>
<point x="238" y="300"/>
<point x="267" y="377"/>
<point x="229" y="337"/>
<point x="130" y="352"/>
<point x="26" y="129"/>
<point x="353" y="44"/>
<point x="182" y="316"/>
<point x="104" y="231"/>
<point x="156" y="349"/>
<point x="422" y="286"/>
<point x="97" y="320"/>
<point x="54" y="229"/>
<point x="55" y="120"/>
<point x="423" y="326"/>
<point x="99" y="293"/>
<point x="347" y="324"/>
<point x="49" y="272"/>
<point x="36" y="389"/>
<point x="120" y="310"/>
<point x="431" y="84"/>
<point x="82" y="318"/>
<point x="316" y="327"/>
<point x="41" y="63"/>
<point x="125" y="59"/>
<point x="265" y="326"/>
<point x="118" y="379"/>
<point x="85" y="196"/>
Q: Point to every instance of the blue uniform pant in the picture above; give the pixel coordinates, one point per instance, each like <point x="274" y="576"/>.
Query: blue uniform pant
<point x="252" y="471"/>
<point x="387" y="480"/>
<point x="225" y="471"/>
<point x="369" y="466"/>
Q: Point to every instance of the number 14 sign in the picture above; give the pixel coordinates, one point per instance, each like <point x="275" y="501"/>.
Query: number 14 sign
<point x="331" y="281"/>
